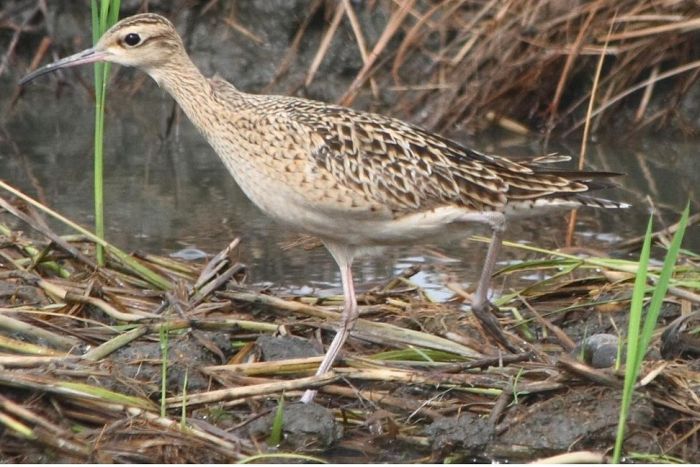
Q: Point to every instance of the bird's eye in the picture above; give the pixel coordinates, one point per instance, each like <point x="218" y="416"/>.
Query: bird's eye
<point x="132" y="39"/>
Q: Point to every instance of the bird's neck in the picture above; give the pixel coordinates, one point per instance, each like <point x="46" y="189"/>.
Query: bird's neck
<point x="191" y="90"/>
<point x="178" y="76"/>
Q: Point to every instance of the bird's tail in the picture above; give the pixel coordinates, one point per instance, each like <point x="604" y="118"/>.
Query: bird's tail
<point x="548" y="187"/>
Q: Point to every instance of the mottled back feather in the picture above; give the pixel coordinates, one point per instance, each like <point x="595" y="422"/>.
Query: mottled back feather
<point x="406" y="168"/>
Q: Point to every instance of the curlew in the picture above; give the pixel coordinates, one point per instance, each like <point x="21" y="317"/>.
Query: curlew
<point x="356" y="180"/>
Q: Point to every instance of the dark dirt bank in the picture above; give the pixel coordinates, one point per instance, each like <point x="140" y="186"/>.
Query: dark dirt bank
<point x="451" y="66"/>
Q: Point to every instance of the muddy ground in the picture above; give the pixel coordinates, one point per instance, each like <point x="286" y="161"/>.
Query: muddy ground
<point x="84" y="359"/>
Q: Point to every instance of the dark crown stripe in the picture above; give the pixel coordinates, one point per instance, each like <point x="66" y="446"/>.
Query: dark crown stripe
<point x="144" y="19"/>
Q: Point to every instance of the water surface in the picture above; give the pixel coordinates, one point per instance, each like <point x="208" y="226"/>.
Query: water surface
<point x="167" y="190"/>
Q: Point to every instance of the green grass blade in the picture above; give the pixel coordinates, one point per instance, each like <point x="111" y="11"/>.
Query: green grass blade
<point x="98" y="166"/>
<point x="277" y="424"/>
<point x="95" y="21"/>
<point x="414" y="354"/>
<point x="102" y="19"/>
<point x="17" y="427"/>
<point x="97" y="30"/>
<point x="638" y="342"/>
<point x="105" y="395"/>
<point x="114" y="12"/>
<point x="636" y="309"/>
<point x="104" y="12"/>
<point x="662" y="285"/>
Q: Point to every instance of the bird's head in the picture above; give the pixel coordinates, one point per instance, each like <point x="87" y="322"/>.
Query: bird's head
<point x="146" y="41"/>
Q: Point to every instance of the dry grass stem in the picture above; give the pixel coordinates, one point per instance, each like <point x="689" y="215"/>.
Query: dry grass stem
<point x="92" y="347"/>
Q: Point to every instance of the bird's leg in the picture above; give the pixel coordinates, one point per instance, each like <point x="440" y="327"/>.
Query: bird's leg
<point x="480" y="297"/>
<point x="347" y="319"/>
<point x="480" y="304"/>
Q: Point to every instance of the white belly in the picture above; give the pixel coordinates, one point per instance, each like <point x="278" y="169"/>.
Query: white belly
<point x="289" y="207"/>
<point x="286" y="202"/>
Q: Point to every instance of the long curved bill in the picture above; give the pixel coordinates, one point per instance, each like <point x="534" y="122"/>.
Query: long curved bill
<point x="86" y="56"/>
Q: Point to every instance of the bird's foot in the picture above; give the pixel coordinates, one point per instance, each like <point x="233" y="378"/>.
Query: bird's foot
<point x="485" y="313"/>
<point x="308" y="396"/>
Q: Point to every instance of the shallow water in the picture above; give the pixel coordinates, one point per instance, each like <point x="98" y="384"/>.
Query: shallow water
<point x="168" y="191"/>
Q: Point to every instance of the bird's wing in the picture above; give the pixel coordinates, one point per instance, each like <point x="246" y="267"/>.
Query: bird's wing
<point x="407" y="168"/>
